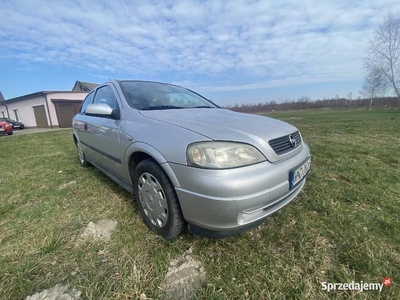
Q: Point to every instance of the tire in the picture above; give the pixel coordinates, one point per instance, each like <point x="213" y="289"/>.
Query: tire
<point x="157" y="201"/>
<point x="81" y="155"/>
<point x="10" y="133"/>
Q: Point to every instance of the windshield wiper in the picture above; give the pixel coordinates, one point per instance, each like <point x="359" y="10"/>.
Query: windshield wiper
<point x="203" y="106"/>
<point x="161" y="107"/>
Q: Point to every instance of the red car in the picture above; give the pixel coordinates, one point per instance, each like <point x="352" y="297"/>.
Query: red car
<point x="6" y="128"/>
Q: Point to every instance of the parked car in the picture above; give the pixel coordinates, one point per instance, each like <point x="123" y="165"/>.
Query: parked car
<point x="188" y="162"/>
<point x="15" y="124"/>
<point x="5" y="128"/>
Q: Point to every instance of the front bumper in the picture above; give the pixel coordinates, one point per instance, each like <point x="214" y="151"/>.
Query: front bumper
<point x="220" y="203"/>
<point x="18" y="126"/>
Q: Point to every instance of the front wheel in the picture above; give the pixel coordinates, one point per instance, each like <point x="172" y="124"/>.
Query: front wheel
<point x="10" y="133"/>
<point x="157" y="200"/>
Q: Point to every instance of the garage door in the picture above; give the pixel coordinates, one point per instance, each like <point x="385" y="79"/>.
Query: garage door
<point x="65" y="112"/>
<point x="40" y="116"/>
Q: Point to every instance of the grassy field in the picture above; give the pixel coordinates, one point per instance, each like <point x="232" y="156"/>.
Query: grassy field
<point x="343" y="227"/>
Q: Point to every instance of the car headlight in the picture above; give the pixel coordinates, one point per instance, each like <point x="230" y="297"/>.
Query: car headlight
<point x="222" y="155"/>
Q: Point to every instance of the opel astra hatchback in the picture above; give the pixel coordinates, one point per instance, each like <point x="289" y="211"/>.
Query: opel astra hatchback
<point x="189" y="163"/>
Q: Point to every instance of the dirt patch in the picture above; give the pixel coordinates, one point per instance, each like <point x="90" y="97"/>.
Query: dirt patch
<point x="63" y="186"/>
<point x="58" y="292"/>
<point x="101" y="230"/>
<point x="184" y="277"/>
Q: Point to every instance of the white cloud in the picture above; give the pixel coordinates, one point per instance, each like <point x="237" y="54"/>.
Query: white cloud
<point x="231" y="45"/>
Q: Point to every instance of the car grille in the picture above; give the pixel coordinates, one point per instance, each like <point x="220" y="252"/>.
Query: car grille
<point x="283" y="144"/>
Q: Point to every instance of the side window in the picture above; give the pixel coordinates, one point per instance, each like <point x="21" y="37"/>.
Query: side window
<point x="106" y="95"/>
<point x="87" y="101"/>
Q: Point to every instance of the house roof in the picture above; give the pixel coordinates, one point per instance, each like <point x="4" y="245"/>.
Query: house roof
<point x="37" y="94"/>
<point x="1" y="97"/>
<point x="84" y="86"/>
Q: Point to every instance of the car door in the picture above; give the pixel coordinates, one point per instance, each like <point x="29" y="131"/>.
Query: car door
<point x="105" y="133"/>
<point x="80" y="125"/>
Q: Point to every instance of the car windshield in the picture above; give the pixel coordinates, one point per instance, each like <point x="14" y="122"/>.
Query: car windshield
<point x="157" y="96"/>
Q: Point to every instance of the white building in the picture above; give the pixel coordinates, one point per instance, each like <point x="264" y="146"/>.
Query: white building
<point x="47" y="108"/>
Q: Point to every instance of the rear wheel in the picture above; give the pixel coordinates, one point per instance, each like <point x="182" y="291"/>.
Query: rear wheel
<point x="157" y="200"/>
<point x="81" y="155"/>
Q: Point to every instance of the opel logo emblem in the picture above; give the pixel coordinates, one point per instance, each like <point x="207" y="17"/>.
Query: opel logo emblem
<point x="292" y="141"/>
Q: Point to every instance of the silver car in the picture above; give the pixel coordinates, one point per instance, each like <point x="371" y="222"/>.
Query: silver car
<point x="188" y="162"/>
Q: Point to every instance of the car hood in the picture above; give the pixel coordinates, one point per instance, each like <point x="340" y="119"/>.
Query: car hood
<point x="226" y="125"/>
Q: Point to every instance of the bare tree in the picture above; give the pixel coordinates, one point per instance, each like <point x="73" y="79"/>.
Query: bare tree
<point x="373" y="85"/>
<point x="304" y="99"/>
<point x="350" y="96"/>
<point x="383" y="56"/>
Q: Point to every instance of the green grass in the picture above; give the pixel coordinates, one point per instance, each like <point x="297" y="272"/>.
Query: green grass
<point x="343" y="227"/>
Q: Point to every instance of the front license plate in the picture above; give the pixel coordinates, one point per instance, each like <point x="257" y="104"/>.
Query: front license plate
<point x="296" y="175"/>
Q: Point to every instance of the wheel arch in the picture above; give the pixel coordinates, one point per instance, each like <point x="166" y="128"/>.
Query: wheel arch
<point x="139" y="151"/>
<point x="74" y="136"/>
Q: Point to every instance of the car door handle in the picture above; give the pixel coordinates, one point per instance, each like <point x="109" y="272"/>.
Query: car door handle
<point x="85" y="126"/>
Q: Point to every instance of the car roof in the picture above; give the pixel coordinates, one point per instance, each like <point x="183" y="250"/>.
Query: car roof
<point x="119" y="81"/>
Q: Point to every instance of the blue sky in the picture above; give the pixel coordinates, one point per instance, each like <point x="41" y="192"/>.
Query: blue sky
<point x="238" y="51"/>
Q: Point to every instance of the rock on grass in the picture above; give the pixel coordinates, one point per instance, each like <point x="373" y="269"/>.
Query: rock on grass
<point x="101" y="230"/>
<point x="184" y="277"/>
<point x="58" y="292"/>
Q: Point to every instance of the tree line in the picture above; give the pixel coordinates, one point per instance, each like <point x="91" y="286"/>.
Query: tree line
<point x="307" y="103"/>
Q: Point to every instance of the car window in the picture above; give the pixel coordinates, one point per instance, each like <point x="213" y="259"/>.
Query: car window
<point x="153" y="95"/>
<point x="106" y="95"/>
<point x="87" y="101"/>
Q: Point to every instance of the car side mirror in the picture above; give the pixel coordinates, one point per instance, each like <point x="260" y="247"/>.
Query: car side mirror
<point x="102" y="110"/>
